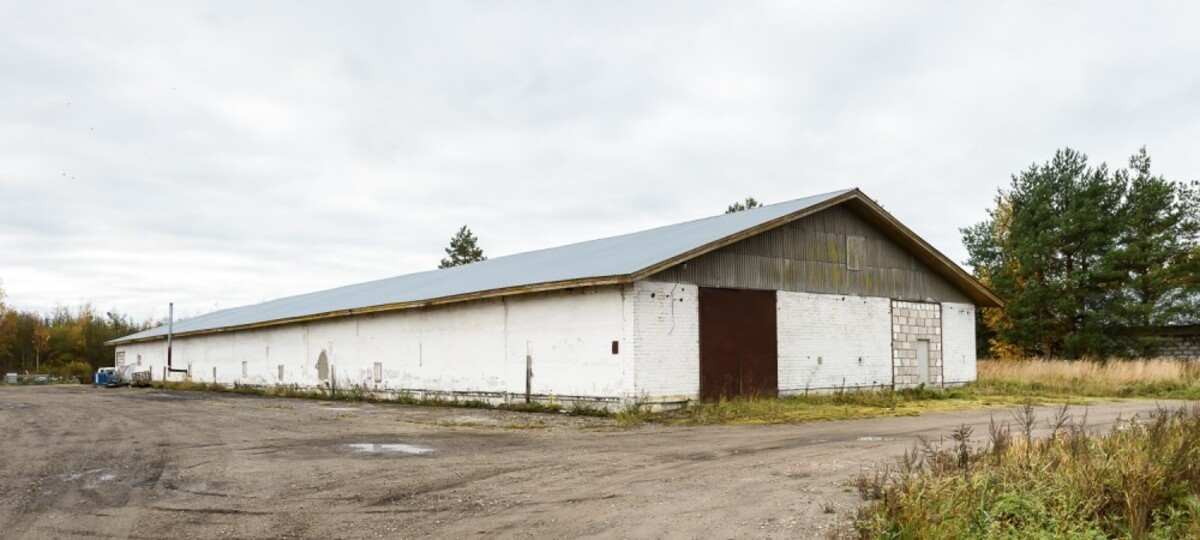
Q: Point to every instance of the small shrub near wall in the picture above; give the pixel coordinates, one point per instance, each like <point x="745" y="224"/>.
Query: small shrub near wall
<point x="1141" y="480"/>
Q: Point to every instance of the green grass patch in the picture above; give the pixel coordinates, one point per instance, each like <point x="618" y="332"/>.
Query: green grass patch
<point x="1140" y="480"/>
<point x="579" y="409"/>
<point x="533" y="406"/>
<point x="840" y="405"/>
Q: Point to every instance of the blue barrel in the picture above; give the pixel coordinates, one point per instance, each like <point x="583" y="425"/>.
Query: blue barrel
<point x="101" y="378"/>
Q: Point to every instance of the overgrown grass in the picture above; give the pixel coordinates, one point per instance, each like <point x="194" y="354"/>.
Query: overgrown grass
<point x="838" y="405"/>
<point x="533" y="406"/>
<point x="1000" y="383"/>
<point x="1140" y="480"/>
<point x="1148" y="378"/>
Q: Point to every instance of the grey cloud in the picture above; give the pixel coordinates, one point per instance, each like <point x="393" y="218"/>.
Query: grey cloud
<point x="226" y="153"/>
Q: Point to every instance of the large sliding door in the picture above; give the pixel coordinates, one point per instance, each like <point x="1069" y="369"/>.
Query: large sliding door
<point x="738" y="344"/>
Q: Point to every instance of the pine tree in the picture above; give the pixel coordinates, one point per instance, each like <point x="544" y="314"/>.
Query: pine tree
<point x="463" y="249"/>
<point x="1049" y="260"/>
<point x="1157" y="251"/>
<point x="1081" y="255"/>
<point x="749" y="203"/>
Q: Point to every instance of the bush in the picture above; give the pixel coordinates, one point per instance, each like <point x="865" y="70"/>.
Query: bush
<point x="75" y="371"/>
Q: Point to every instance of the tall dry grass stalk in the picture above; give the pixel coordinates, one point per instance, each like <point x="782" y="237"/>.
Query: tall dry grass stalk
<point x="1140" y="480"/>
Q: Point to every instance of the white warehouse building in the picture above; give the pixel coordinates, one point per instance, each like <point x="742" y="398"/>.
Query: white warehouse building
<point x="820" y="293"/>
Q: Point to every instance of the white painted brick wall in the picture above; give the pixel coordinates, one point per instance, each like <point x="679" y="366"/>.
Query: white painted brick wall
<point x="569" y="335"/>
<point x="822" y="338"/>
<point x="474" y="347"/>
<point x="666" y="340"/>
<point x="958" y="338"/>
<point x="481" y="346"/>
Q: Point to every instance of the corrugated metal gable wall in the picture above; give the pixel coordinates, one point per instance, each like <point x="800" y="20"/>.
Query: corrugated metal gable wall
<point x="809" y="255"/>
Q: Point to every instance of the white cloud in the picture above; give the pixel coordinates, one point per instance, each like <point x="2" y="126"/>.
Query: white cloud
<point x="217" y="154"/>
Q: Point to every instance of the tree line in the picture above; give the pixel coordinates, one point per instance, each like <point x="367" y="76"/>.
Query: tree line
<point x="1088" y="260"/>
<point x="66" y="342"/>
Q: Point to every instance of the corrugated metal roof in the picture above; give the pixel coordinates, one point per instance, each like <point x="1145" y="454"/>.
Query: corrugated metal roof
<point x="617" y="256"/>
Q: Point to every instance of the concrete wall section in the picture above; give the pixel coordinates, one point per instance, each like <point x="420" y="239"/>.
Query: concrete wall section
<point x="831" y="341"/>
<point x="474" y="347"/>
<point x="1181" y="347"/>
<point x="666" y="340"/>
<point x="958" y="342"/>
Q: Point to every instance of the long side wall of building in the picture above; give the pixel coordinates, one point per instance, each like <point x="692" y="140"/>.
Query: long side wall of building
<point x="573" y="342"/>
<point x="638" y="342"/>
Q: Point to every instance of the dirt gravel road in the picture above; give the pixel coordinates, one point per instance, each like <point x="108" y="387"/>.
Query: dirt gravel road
<point x="78" y="462"/>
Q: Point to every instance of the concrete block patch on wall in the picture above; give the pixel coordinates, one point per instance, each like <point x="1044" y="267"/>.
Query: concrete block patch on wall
<point x="916" y="344"/>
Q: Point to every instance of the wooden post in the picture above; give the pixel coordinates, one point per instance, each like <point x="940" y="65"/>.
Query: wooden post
<point x="528" y="377"/>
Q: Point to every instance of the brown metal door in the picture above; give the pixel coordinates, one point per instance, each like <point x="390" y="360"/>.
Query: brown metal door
<point x="738" y="348"/>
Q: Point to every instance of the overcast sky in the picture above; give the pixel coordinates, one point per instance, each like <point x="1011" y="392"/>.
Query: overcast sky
<point x="219" y="154"/>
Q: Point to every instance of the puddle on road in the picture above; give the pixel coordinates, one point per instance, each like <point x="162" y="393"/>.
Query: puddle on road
<point x="71" y="477"/>
<point x="875" y="439"/>
<point x="377" y="448"/>
<point x="91" y="478"/>
<point x="341" y="408"/>
<point x="473" y="419"/>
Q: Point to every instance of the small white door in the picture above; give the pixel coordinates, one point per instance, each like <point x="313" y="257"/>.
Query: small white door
<point x="923" y="361"/>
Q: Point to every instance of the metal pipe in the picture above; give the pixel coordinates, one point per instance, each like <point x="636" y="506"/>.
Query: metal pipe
<point x="170" y="330"/>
